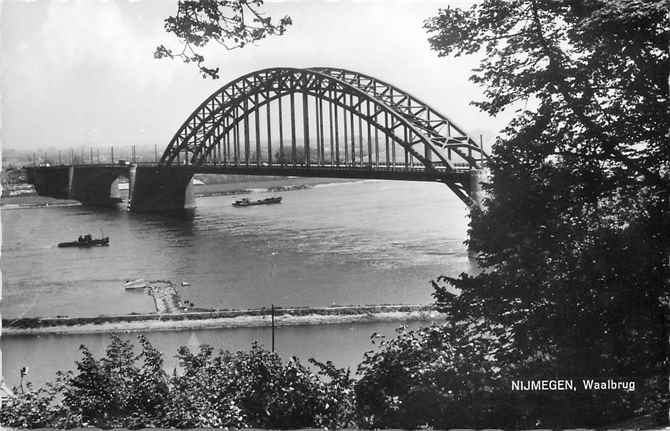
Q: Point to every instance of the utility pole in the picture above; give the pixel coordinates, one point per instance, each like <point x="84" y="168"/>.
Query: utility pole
<point x="22" y="373"/>
<point x="272" y="314"/>
<point x="481" y="145"/>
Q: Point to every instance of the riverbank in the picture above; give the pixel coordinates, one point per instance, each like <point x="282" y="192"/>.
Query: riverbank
<point x="247" y="318"/>
<point x="225" y="186"/>
<point x="34" y="201"/>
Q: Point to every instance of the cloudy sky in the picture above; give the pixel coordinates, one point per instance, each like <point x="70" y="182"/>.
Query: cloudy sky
<point x="81" y="73"/>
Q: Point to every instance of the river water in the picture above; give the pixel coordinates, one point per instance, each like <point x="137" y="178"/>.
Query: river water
<point x="364" y="242"/>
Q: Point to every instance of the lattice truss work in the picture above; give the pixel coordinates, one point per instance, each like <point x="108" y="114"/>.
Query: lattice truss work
<point x="320" y="117"/>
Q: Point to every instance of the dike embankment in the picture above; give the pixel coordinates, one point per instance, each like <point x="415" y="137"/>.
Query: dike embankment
<point x="259" y="317"/>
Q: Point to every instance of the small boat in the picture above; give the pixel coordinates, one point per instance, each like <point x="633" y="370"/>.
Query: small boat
<point x="86" y="241"/>
<point x="246" y="202"/>
<point x="140" y="283"/>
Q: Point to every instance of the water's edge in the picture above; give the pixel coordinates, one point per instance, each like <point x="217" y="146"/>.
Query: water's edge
<point x="260" y="317"/>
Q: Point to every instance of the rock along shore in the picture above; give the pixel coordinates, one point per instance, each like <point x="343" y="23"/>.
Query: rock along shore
<point x="260" y="317"/>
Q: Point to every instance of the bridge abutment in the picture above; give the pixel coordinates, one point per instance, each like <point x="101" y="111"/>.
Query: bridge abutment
<point x="160" y="189"/>
<point x="50" y="181"/>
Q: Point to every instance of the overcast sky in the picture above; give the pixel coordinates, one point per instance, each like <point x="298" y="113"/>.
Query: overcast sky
<point x="82" y="73"/>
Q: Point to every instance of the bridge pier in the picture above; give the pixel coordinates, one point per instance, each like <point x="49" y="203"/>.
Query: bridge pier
<point x="160" y="189"/>
<point x="91" y="185"/>
<point x="88" y="184"/>
<point x="151" y="188"/>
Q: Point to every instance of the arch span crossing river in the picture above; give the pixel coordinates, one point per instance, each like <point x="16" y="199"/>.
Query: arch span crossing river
<point x="315" y="122"/>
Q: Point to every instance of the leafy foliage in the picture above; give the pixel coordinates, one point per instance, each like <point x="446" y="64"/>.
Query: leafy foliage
<point x="254" y="389"/>
<point x="244" y="389"/>
<point x="113" y="391"/>
<point x="440" y="377"/>
<point x="573" y="241"/>
<point x="33" y="409"/>
<point x="597" y="70"/>
<point x="229" y="23"/>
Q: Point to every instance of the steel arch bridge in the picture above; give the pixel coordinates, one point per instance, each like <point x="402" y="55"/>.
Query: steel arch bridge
<point x="335" y="122"/>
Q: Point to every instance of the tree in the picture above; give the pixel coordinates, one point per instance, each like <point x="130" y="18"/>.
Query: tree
<point x="573" y="240"/>
<point x="113" y="391"/>
<point x="440" y="377"/>
<point x="596" y="69"/>
<point x="229" y="23"/>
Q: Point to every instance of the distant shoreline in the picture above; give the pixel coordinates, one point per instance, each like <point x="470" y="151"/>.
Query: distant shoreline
<point x="260" y="317"/>
<point x="245" y="186"/>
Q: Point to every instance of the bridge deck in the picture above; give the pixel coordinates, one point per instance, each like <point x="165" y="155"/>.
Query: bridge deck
<point x="382" y="172"/>
<point x="157" y="187"/>
<point x="327" y="171"/>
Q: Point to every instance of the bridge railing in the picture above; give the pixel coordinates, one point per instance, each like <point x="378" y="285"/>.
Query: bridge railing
<point x="394" y="167"/>
<point x="106" y="155"/>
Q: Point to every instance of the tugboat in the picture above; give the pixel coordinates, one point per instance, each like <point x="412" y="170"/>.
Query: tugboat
<point x="86" y="241"/>
<point x="244" y="202"/>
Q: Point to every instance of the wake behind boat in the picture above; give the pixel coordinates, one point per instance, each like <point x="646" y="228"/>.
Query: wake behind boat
<point x="86" y="241"/>
<point x="244" y="202"/>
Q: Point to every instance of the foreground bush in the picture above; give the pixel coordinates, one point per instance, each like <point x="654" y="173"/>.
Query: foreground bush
<point x="244" y="389"/>
<point x="459" y="375"/>
<point x="437" y="377"/>
<point x="443" y="376"/>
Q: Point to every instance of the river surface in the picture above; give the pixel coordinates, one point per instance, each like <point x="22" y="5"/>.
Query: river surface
<point x="365" y="242"/>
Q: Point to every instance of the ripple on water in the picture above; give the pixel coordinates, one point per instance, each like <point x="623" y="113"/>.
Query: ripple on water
<point x="347" y="243"/>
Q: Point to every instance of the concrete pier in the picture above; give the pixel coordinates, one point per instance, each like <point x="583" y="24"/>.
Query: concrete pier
<point x="93" y="186"/>
<point x="166" y="298"/>
<point x="151" y="188"/>
<point x="160" y="189"/>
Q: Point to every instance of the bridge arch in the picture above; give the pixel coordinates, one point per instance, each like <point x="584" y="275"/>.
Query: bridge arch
<point x="415" y="136"/>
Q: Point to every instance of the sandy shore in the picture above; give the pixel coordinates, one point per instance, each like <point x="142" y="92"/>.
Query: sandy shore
<point x="221" y="319"/>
